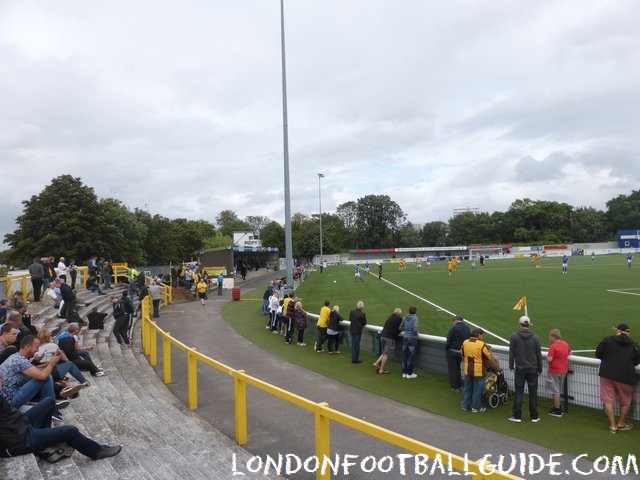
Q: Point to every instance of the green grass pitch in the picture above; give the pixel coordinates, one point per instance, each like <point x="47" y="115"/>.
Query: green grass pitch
<point x="585" y="303"/>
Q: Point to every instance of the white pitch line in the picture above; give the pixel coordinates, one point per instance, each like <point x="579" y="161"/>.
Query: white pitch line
<point x="623" y="292"/>
<point x="441" y="308"/>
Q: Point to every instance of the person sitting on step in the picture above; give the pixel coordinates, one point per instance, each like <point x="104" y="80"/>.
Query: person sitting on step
<point x="72" y="348"/>
<point x="31" y="432"/>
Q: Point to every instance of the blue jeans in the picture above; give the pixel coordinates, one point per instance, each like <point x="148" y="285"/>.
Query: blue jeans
<point x="156" y="308"/>
<point x="409" y="346"/>
<point x="30" y="389"/>
<point x="355" y="346"/>
<point x="473" y="389"/>
<point x="69" y="367"/>
<point x="40" y="435"/>
<point x="531" y="379"/>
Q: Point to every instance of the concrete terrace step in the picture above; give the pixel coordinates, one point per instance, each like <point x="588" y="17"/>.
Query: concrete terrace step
<point x="161" y="438"/>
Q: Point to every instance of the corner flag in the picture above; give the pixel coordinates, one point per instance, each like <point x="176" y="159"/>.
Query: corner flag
<point x="521" y="303"/>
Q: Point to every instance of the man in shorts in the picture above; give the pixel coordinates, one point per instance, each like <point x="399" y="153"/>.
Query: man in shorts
<point x="618" y="356"/>
<point x="558" y="358"/>
<point x="388" y="337"/>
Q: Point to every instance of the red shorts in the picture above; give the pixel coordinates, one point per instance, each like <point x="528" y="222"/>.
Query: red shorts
<point x="609" y="389"/>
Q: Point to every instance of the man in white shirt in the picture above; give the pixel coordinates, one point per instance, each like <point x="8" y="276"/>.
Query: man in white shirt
<point x="62" y="270"/>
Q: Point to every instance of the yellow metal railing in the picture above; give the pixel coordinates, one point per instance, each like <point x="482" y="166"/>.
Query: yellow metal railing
<point x="322" y="412"/>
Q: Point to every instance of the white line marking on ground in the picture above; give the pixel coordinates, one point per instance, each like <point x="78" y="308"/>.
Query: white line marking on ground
<point x="442" y="309"/>
<point x="624" y="291"/>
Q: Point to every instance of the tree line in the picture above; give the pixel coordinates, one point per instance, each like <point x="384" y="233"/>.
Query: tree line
<point x="68" y="219"/>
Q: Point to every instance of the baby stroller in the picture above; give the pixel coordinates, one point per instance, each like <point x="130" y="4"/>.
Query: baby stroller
<point x="496" y="389"/>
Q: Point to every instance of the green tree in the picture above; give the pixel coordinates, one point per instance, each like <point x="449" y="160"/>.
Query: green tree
<point x="540" y="220"/>
<point x="190" y="234"/>
<point x="434" y="234"/>
<point x="123" y="234"/>
<point x="335" y="237"/>
<point x="623" y="212"/>
<point x="308" y="240"/>
<point x="272" y="235"/>
<point x="378" y="221"/>
<point x="408" y="236"/>
<point x="297" y="220"/>
<point x="217" y="240"/>
<point x="257" y="222"/>
<point x="159" y="245"/>
<point x="588" y="225"/>
<point x="63" y="220"/>
<point x="348" y="214"/>
<point x="228" y="222"/>
<point x="462" y="229"/>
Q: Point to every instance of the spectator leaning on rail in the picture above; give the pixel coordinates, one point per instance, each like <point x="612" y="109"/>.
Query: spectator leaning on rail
<point x="409" y="329"/>
<point x="558" y="358"/>
<point x="333" y="330"/>
<point x="618" y="356"/>
<point x="457" y="334"/>
<point x="525" y="353"/>
<point x="388" y="338"/>
<point x="321" y="325"/>
<point x="475" y="355"/>
<point x="156" y="297"/>
<point x="289" y="319"/>
<point x="357" y="322"/>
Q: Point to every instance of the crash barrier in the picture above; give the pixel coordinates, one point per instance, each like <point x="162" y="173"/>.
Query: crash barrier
<point x="323" y="414"/>
<point x="582" y="384"/>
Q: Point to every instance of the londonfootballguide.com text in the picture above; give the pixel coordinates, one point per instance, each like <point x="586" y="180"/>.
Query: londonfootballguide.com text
<point x="421" y="464"/>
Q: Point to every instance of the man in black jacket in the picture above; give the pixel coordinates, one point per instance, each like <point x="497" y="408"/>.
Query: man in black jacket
<point x="31" y="432"/>
<point x="69" y="299"/>
<point x="525" y="353"/>
<point x="457" y="334"/>
<point x="618" y="356"/>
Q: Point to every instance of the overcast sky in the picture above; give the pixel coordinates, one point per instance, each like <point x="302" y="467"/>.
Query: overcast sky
<point x="175" y="107"/>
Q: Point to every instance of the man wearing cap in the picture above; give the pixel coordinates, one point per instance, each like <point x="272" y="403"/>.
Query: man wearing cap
<point x="457" y="334"/>
<point x="618" y="356"/>
<point x="525" y="354"/>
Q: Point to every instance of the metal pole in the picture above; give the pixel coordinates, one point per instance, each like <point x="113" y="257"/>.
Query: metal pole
<point x="320" y="176"/>
<point x="285" y="135"/>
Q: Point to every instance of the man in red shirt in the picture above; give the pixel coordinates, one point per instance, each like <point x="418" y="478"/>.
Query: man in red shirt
<point x="558" y="358"/>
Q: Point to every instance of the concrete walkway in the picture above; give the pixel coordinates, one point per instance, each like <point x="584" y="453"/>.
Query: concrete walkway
<point x="277" y="428"/>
